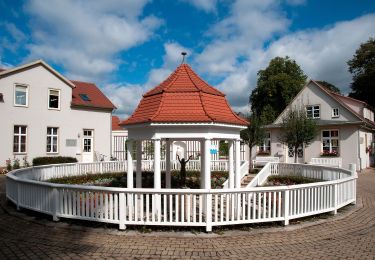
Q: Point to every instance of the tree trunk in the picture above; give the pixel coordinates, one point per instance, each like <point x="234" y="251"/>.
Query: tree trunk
<point x="295" y="154"/>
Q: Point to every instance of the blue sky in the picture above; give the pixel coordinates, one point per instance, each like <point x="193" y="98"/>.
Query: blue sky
<point x="127" y="47"/>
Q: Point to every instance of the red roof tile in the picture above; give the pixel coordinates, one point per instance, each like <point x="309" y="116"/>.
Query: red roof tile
<point x="116" y="124"/>
<point x="184" y="98"/>
<point x="96" y="98"/>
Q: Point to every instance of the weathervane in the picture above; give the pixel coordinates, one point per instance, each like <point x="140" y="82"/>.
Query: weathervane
<point x="183" y="57"/>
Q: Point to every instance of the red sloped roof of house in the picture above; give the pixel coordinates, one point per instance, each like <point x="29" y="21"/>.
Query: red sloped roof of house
<point x="184" y="98"/>
<point x="96" y="98"/>
<point x="116" y="124"/>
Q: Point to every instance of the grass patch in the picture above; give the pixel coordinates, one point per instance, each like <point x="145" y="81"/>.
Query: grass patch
<point x="280" y="180"/>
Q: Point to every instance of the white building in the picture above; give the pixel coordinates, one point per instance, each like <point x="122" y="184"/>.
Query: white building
<point x="346" y="128"/>
<point x="45" y="114"/>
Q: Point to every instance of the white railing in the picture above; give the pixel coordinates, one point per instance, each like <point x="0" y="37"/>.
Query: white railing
<point x="180" y="207"/>
<point x="263" y="160"/>
<point x="333" y="161"/>
<point x="192" y="165"/>
<point x="244" y="170"/>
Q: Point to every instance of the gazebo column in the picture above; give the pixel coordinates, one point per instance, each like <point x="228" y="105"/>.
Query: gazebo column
<point x="130" y="164"/>
<point x="157" y="176"/>
<point x="237" y="165"/>
<point x="168" y="164"/>
<point x="231" y="167"/>
<point x="207" y="164"/>
<point x="157" y="171"/>
<point x="202" y="164"/>
<point x="138" y="178"/>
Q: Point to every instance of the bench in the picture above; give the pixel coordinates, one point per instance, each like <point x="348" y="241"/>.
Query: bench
<point x="263" y="160"/>
<point x="335" y="162"/>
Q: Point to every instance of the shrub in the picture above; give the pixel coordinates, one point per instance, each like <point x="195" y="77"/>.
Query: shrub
<point x="276" y="180"/>
<point x="9" y="165"/>
<point x="16" y="164"/>
<point x="53" y="160"/>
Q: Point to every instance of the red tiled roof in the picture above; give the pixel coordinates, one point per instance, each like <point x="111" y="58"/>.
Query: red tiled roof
<point x="184" y="98"/>
<point x="116" y="124"/>
<point x="341" y="99"/>
<point x="96" y="98"/>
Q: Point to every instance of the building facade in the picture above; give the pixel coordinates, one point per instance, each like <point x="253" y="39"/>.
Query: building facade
<point x="44" y="114"/>
<point x="346" y="128"/>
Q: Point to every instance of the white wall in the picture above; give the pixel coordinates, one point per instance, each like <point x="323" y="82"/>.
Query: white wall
<point x="37" y="117"/>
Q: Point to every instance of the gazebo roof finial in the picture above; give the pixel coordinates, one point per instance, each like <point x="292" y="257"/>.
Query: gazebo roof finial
<point x="183" y="57"/>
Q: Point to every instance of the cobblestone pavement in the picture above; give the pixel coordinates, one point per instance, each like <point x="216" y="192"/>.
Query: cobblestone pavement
<point x="349" y="235"/>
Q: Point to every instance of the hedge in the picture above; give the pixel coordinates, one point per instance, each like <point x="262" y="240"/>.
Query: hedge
<point x="53" y="160"/>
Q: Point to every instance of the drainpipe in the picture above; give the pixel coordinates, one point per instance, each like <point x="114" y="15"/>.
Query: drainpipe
<point x="359" y="151"/>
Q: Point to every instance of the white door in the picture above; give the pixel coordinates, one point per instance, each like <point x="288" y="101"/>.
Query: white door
<point x="88" y="146"/>
<point x="290" y="155"/>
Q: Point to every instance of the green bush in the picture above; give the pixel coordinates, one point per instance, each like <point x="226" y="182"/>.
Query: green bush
<point x="53" y="160"/>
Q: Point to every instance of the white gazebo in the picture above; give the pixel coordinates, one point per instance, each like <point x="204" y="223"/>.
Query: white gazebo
<point x="183" y="108"/>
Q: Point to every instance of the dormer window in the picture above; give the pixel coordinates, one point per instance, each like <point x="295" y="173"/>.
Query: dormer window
<point x="335" y="112"/>
<point x="21" y="94"/>
<point x="84" y="97"/>
<point x="313" y="111"/>
<point x="53" y="99"/>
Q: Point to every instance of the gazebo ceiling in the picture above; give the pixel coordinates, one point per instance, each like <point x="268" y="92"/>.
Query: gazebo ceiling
<point x="184" y="98"/>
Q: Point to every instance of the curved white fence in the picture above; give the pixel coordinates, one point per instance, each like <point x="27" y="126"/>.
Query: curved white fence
<point x="178" y="207"/>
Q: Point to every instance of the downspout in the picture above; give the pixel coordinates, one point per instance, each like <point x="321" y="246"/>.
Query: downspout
<point x="359" y="150"/>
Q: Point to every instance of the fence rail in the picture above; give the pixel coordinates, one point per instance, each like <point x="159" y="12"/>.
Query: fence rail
<point x="180" y="207"/>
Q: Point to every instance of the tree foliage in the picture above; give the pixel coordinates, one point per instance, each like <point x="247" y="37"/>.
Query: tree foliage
<point x="253" y="135"/>
<point x="297" y="130"/>
<point x="277" y="85"/>
<point x="362" y="67"/>
<point x="329" y="86"/>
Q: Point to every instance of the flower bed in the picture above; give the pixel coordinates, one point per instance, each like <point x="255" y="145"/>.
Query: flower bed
<point x="282" y="180"/>
<point x="120" y="179"/>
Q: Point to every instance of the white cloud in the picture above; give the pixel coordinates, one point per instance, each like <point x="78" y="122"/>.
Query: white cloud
<point x="205" y="5"/>
<point x="249" y="25"/>
<point x="84" y="36"/>
<point x="238" y="50"/>
<point x="127" y="96"/>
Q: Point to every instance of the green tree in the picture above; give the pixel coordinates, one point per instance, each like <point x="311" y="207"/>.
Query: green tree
<point x="223" y="148"/>
<point x="362" y="67"/>
<point x="277" y="85"/>
<point x="253" y="135"/>
<point x="297" y="130"/>
<point x="329" y="86"/>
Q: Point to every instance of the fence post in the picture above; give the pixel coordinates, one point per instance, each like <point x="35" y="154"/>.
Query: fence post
<point x="208" y="212"/>
<point x="55" y="199"/>
<point x="101" y="167"/>
<point x="353" y="170"/>
<point x="121" y="206"/>
<point x="286" y="207"/>
<point x="334" y="199"/>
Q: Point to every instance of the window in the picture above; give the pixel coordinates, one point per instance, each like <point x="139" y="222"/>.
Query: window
<point x="21" y="95"/>
<point x="330" y="142"/>
<point x="335" y="112"/>
<point x="53" y="99"/>
<point x="265" y="148"/>
<point x="1" y="98"/>
<point x="84" y="97"/>
<point x="52" y="139"/>
<point x="313" y="111"/>
<point x="19" y="139"/>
